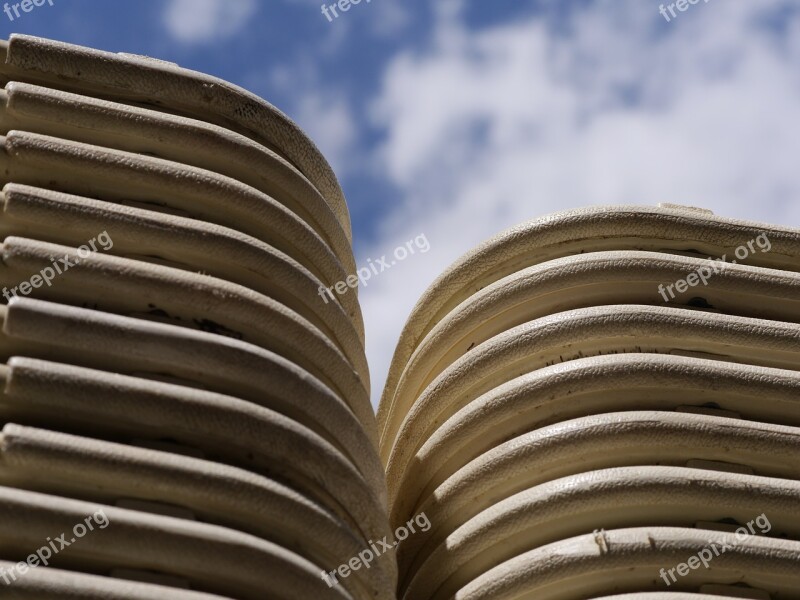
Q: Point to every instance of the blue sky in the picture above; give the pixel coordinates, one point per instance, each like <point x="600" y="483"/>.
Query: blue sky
<point x="457" y="119"/>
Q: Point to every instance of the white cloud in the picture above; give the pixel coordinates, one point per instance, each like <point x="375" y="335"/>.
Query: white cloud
<point x="487" y="129"/>
<point x="321" y="110"/>
<point x="389" y="19"/>
<point x="327" y="119"/>
<point x="200" y="21"/>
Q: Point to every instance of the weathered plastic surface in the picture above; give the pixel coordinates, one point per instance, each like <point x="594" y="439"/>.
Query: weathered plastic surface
<point x="108" y="174"/>
<point x="586" y="332"/>
<point x="211" y="558"/>
<point x="669" y="230"/>
<point x="37" y="109"/>
<point x="629" y="560"/>
<point x="69" y="465"/>
<point x="133" y="287"/>
<point x="591" y="279"/>
<point x="123" y="344"/>
<point x="601" y="441"/>
<point x="58" y="584"/>
<point x="617" y="498"/>
<point x="141" y="80"/>
<point x="594" y="386"/>
<point x="183" y="243"/>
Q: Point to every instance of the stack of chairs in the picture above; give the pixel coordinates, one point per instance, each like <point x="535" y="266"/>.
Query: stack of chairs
<point x="184" y="377"/>
<point x="571" y="435"/>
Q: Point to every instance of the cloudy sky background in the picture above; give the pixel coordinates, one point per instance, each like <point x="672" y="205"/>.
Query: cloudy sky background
<point x="458" y="119"/>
